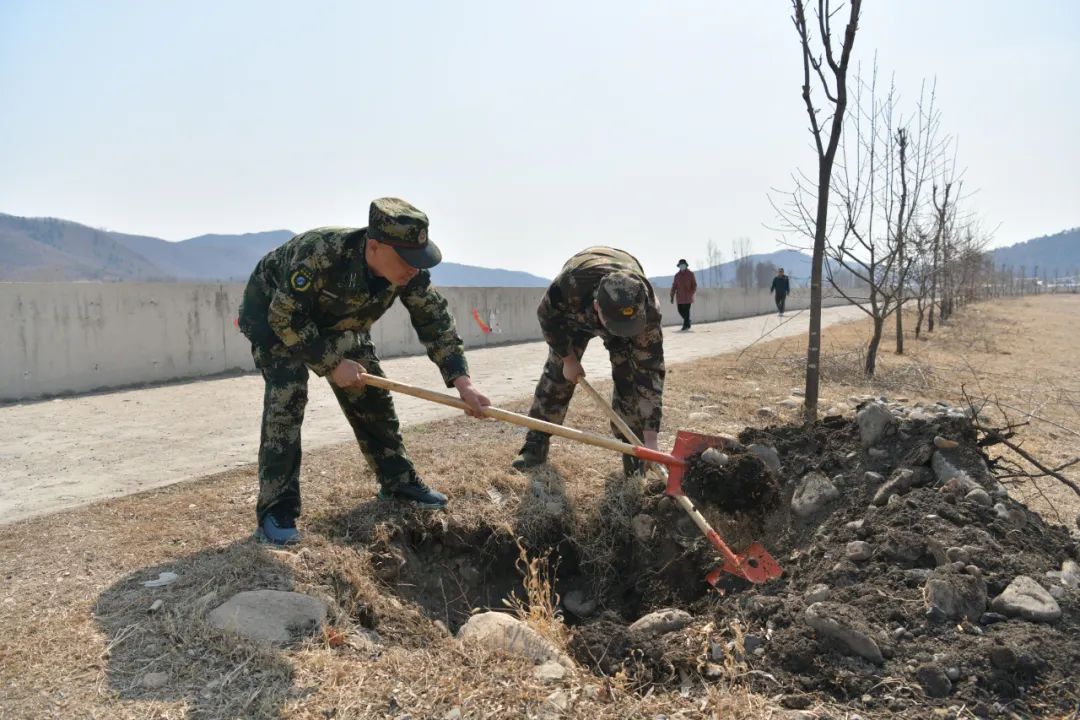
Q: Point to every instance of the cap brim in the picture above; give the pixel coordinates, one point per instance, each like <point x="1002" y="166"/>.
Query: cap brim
<point x="421" y="258"/>
<point x="626" y="327"/>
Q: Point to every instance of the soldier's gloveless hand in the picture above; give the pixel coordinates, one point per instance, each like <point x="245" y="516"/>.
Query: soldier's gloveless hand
<point x="571" y="369"/>
<point x="348" y="374"/>
<point x="475" y="399"/>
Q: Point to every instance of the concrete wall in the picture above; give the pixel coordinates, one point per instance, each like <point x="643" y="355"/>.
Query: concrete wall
<point x="60" y="338"/>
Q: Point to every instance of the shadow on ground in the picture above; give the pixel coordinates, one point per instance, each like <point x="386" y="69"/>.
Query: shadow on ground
<point x="172" y="654"/>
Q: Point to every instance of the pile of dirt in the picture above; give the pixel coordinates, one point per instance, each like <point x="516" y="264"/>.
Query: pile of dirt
<point x="894" y="594"/>
<point x="912" y="583"/>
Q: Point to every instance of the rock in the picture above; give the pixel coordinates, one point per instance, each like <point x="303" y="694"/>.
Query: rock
<point x="579" y="604"/>
<point x="156" y="605"/>
<point x="698" y="398"/>
<point x="945" y="443"/>
<point x="935" y="683"/>
<point x="898" y="484"/>
<point x="767" y="455"/>
<point x="1027" y="599"/>
<point x="766" y="412"/>
<point x="1013" y="516"/>
<point x="957" y="554"/>
<point x="163" y="579"/>
<point x="989" y="618"/>
<point x="154" y="680"/>
<point x="643" y="526"/>
<point x="453" y="713"/>
<point x="842" y="624"/>
<point x="791" y="403"/>
<point x="954" y="596"/>
<point x="979" y="497"/>
<point x="700" y="417"/>
<point x="813" y="493"/>
<point x="796" y="392"/>
<point x="1070" y="574"/>
<point x="874" y="421"/>
<point x="878" y="453"/>
<point x="557" y="702"/>
<point x="1057" y="591"/>
<point x="858" y="550"/>
<point x="549" y="672"/>
<point x="953" y="673"/>
<point x="660" y="622"/>
<point x="270" y="616"/>
<point x="943" y="469"/>
<point x="873" y="477"/>
<point x="499" y="631"/>
<point x="715" y="457"/>
<point x="817" y="593"/>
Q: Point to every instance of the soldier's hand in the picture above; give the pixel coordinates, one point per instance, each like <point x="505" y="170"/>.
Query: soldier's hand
<point x="348" y="374"/>
<point x="475" y="399"/>
<point x="571" y="369"/>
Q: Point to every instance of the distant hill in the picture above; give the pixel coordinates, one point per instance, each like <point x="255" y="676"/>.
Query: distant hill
<point x="1054" y="255"/>
<point x="48" y="249"/>
<point x="450" y="274"/>
<point x="796" y="265"/>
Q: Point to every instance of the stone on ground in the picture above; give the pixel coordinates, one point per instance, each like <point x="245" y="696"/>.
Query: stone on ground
<point x="814" y="492"/>
<point x="549" y="672"/>
<point x="579" y="604"/>
<point x="660" y="622"/>
<point x="842" y="624"/>
<point x="1027" y="599"/>
<point x="270" y="616"/>
<point x="954" y="596"/>
<point x="767" y="455"/>
<point x="874" y="422"/>
<point x="501" y="632"/>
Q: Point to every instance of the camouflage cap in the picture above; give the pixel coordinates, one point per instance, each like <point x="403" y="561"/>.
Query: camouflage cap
<point x="397" y="223"/>
<point x="622" y="298"/>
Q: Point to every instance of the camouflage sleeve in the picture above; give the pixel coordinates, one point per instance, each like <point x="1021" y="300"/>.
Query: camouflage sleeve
<point x="553" y="322"/>
<point x="647" y="359"/>
<point x="435" y="327"/>
<point x="290" y="311"/>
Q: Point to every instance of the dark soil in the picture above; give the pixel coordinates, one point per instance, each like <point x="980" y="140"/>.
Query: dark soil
<point x="744" y="484"/>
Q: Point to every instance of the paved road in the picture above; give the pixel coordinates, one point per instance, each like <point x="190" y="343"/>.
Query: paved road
<point x="68" y="452"/>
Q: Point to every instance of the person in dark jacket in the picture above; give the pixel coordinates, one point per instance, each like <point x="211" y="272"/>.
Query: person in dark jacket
<point x="780" y="288"/>
<point x="683" y="288"/>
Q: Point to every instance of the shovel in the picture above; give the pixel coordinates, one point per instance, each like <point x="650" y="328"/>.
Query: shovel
<point x="755" y="565"/>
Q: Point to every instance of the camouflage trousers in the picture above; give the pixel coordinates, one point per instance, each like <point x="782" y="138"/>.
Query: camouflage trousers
<point x="369" y="410"/>
<point x="553" y="391"/>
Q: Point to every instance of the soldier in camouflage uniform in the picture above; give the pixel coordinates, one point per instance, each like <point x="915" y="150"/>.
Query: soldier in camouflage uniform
<point x="600" y="292"/>
<point x="311" y="304"/>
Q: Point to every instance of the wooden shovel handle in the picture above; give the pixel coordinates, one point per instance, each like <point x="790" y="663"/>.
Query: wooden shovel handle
<point x="610" y="412"/>
<point x="522" y="420"/>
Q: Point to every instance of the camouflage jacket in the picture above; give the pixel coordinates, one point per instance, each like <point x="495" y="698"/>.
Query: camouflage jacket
<point x="567" y="314"/>
<point x="310" y="298"/>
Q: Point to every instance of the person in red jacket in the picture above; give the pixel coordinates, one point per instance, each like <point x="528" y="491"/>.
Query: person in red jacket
<point x="682" y="292"/>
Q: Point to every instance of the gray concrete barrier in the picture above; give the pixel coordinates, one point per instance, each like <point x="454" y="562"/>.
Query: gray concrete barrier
<point x="61" y="338"/>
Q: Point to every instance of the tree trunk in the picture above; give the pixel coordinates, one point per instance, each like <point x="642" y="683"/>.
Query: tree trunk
<point x="872" y="348"/>
<point x="918" y="322"/>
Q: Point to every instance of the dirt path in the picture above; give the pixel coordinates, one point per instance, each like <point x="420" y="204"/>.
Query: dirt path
<point x="68" y="452"/>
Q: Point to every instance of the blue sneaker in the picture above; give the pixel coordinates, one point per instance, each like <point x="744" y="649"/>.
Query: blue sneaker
<point x="278" y="530"/>
<point x="417" y="493"/>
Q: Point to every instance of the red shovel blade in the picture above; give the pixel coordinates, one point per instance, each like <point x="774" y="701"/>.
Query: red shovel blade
<point x="755" y="565"/>
<point x="686" y="444"/>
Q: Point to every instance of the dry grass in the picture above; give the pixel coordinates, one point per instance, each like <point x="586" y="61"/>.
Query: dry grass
<point x="78" y="637"/>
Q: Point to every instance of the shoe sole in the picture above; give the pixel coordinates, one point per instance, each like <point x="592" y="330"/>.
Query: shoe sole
<point x="267" y="540"/>
<point x="414" y="503"/>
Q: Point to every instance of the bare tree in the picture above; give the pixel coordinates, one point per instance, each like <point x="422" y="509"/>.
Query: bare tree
<point x="825" y="64"/>
<point x="715" y="272"/>
<point x="744" y="266"/>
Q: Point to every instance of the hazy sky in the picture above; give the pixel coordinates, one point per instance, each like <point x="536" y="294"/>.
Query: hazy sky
<point x="526" y="131"/>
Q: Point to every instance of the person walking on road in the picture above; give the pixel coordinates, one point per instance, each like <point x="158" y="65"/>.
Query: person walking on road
<point x="600" y="292"/>
<point x="311" y="304"/>
<point x="780" y="288"/>
<point x="683" y="288"/>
